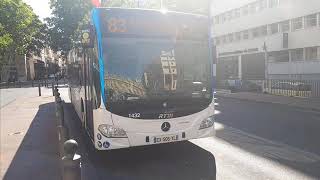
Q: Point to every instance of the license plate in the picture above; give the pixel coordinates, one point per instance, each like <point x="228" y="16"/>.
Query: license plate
<point x="165" y="138"/>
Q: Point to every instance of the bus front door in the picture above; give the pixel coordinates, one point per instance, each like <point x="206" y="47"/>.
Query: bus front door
<point x="88" y="95"/>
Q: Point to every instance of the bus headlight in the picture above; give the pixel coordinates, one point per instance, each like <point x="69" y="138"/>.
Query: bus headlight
<point x="111" y="131"/>
<point x="206" y="123"/>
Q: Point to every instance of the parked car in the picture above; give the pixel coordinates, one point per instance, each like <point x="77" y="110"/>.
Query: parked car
<point x="297" y="86"/>
<point x="51" y="76"/>
<point x="251" y="86"/>
<point x="284" y="85"/>
<point x="303" y="86"/>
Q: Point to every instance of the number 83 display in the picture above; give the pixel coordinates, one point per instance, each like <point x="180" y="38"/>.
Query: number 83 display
<point x="117" y="25"/>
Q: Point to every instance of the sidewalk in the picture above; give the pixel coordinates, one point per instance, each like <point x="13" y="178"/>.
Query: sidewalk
<point x="305" y="103"/>
<point x="29" y="142"/>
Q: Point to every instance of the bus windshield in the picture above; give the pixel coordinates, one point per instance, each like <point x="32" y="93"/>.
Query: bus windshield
<point x="155" y="63"/>
<point x="150" y="77"/>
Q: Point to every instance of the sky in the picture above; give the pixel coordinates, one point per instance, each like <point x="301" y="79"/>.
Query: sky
<point x="42" y="8"/>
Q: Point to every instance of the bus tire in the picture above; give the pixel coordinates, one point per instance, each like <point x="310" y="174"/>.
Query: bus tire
<point x="89" y="145"/>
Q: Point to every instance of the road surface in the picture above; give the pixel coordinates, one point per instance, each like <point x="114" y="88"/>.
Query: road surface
<point x="253" y="141"/>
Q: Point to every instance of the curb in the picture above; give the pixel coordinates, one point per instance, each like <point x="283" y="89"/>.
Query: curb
<point x="253" y="100"/>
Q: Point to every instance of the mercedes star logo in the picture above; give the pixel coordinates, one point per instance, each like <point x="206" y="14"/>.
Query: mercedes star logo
<point x="164" y="104"/>
<point x="165" y="126"/>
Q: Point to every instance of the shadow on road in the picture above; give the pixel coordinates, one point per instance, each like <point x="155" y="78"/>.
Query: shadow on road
<point x="245" y="138"/>
<point x="37" y="157"/>
<point x="182" y="160"/>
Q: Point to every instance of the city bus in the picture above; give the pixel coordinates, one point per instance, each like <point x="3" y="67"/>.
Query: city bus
<point x="143" y="77"/>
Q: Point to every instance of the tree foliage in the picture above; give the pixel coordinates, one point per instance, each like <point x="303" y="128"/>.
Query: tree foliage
<point x="65" y="20"/>
<point x="21" y="31"/>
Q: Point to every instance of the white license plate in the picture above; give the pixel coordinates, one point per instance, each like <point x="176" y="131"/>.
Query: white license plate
<point x="165" y="139"/>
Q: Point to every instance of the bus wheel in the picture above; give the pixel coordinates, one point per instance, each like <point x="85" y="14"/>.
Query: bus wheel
<point x="89" y="145"/>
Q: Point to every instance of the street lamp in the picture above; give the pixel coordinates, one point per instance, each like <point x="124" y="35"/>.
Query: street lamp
<point x="265" y="48"/>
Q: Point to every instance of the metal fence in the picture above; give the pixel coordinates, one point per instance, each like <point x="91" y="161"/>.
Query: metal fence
<point x="298" y="88"/>
<point x="32" y="83"/>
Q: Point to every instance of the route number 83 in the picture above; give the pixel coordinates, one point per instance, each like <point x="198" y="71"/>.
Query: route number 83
<point x="117" y="25"/>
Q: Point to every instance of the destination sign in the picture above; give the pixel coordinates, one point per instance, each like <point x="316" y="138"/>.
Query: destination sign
<point x="153" y="24"/>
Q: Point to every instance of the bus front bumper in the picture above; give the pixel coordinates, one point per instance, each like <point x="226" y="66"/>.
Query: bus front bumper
<point x="142" y="139"/>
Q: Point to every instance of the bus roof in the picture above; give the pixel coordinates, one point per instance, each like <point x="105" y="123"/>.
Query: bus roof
<point x="124" y="22"/>
<point x="142" y="10"/>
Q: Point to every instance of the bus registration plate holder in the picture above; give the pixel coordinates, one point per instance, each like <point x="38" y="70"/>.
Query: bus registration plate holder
<point x="165" y="139"/>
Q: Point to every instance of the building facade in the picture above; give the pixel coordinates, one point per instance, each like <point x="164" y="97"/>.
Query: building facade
<point x="42" y="66"/>
<point x="269" y="39"/>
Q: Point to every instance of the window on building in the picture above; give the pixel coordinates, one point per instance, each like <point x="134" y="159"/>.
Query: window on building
<point x="230" y="37"/>
<point x="237" y="13"/>
<point x="253" y="8"/>
<point x="245" y="10"/>
<point x="285" y="26"/>
<point x="273" y="3"/>
<point x="297" y="54"/>
<point x="237" y="36"/>
<point x="229" y="67"/>
<point x="264" y="30"/>
<point x="245" y="34"/>
<point x="311" y="20"/>
<point x="223" y="18"/>
<point x="297" y="24"/>
<point x="229" y="15"/>
<point x="278" y="56"/>
<point x="223" y="39"/>
<point x="312" y="54"/>
<point x="217" y="40"/>
<point x="217" y="20"/>
<point x="255" y="32"/>
<point x="274" y="28"/>
<point x="262" y="4"/>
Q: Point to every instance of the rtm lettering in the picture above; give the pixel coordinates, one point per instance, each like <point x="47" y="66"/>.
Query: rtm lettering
<point x="165" y="116"/>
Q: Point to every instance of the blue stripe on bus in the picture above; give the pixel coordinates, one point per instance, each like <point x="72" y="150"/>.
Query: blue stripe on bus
<point x="96" y="22"/>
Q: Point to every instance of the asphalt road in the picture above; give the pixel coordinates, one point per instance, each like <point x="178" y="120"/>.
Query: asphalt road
<point x="285" y="135"/>
<point x="253" y="141"/>
<point x="293" y="126"/>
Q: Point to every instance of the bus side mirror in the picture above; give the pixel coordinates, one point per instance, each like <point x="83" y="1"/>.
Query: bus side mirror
<point x="87" y="37"/>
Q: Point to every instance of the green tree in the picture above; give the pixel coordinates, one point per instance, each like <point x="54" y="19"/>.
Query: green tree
<point x="20" y="30"/>
<point x="65" y="20"/>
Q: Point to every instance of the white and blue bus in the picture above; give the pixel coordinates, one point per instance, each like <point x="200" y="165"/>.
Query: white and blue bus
<point x="146" y="78"/>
